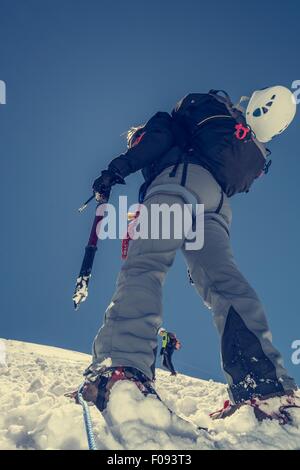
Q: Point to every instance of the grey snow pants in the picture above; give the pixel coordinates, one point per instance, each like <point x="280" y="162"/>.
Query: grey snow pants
<point x="128" y="337"/>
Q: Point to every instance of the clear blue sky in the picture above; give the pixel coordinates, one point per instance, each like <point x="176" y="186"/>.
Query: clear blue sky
<point x="78" y="74"/>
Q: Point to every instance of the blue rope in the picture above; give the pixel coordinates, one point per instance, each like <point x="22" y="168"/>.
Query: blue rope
<point x="87" y="421"/>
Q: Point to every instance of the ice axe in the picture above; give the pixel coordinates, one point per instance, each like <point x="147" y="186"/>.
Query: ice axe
<point x="84" y="205"/>
<point x="82" y="283"/>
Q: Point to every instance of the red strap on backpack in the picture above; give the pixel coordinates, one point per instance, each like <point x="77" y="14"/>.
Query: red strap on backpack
<point x="136" y="140"/>
<point x="241" y="131"/>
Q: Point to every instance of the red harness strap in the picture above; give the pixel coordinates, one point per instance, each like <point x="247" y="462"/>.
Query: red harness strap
<point x="127" y="238"/>
<point x="125" y="246"/>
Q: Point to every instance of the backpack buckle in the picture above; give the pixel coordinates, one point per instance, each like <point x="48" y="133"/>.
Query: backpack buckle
<point x="267" y="167"/>
<point x="241" y="131"/>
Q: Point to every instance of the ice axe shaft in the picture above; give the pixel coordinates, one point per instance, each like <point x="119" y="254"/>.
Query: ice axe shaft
<point x="82" y="283"/>
<point x="84" y="205"/>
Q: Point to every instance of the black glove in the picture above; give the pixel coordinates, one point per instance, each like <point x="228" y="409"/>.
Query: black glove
<point x="103" y="184"/>
<point x="162" y="351"/>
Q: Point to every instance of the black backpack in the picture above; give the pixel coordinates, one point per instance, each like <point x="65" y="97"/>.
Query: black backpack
<point x="220" y="140"/>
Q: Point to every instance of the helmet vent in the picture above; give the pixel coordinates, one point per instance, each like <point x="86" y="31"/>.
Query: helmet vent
<point x="263" y="110"/>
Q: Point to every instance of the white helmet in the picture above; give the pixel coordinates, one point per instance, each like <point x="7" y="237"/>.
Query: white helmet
<point x="161" y="330"/>
<point x="270" y="111"/>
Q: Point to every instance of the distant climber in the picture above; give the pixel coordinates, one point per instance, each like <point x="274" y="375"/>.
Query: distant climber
<point x="169" y="344"/>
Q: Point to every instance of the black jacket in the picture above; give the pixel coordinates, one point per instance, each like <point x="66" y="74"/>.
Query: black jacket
<point x="161" y="144"/>
<point x="156" y="139"/>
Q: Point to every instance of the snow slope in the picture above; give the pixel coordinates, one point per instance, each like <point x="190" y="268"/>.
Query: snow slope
<point x="34" y="414"/>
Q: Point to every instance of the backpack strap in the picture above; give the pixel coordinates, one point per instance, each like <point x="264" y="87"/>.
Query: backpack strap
<point x="235" y="113"/>
<point x="218" y="209"/>
<point x="184" y="173"/>
<point x="181" y="140"/>
<point x="222" y="99"/>
<point x="173" y="172"/>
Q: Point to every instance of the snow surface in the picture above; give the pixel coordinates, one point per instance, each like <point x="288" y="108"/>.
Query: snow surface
<point x="34" y="414"/>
